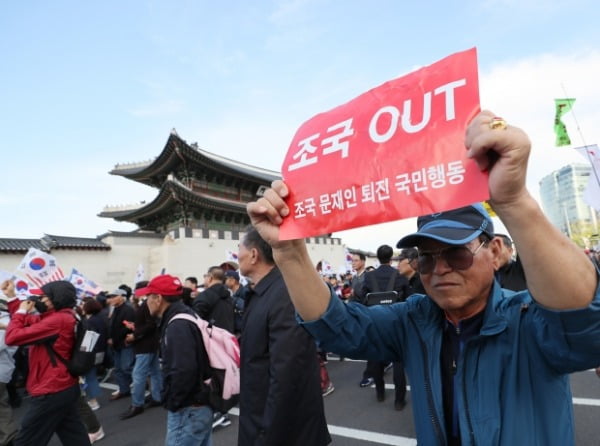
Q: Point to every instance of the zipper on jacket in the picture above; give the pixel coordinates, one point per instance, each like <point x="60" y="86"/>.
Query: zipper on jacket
<point x="466" y="402"/>
<point x="430" y="405"/>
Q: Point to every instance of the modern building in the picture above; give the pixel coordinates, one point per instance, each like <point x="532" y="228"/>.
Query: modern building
<point x="196" y="220"/>
<point x="561" y="193"/>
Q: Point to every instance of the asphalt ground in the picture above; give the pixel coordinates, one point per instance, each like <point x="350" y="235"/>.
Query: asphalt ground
<point x="353" y="414"/>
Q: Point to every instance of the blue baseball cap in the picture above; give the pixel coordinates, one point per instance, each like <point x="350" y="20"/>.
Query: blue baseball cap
<point x="233" y="274"/>
<point x="455" y="227"/>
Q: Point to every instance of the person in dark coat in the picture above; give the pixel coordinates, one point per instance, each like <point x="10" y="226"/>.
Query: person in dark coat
<point x="91" y="310"/>
<point x="407" y="266"/>
<point x="280" y="398"/>
<point x="510" y="273"/>
<point x="144" y="339"/>
<point x="379" y="280"/>
<point x="215" y="303"/>
<point x="185" y="365"/>
<point x="122" y="352"/>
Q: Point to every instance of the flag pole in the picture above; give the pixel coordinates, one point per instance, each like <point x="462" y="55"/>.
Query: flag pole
<point x="582" y="138"/>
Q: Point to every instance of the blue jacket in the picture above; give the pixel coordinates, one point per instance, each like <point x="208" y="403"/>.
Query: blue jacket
<point x="513" y="385"/>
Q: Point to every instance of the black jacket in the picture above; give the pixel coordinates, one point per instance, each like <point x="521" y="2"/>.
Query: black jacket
<point x="381" y="277"/>
<point x="184" y="360"/>
<point x="116" y="330"/>
<point x="97" y="324"/>
<point x="280" y="399"/>
<point x="215" y="305"/>
<point x="146" y="331"/>
<point x="512" y="276"/>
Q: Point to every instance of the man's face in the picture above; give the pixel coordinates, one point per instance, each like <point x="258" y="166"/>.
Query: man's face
<point x="461" y="293"/>
<point x="113" y="301"/>
<point x="404" y="268"/>
<point x="230" y="282"/>
<point x="46" y="300"/>
<point x="357" y="263"/>
<point x="206" y="278"/>
<point x="189" y="284"/>
<point x="153" y="302"/>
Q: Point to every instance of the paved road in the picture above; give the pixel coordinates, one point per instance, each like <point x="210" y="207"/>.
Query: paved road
<point x="354" y="416"/>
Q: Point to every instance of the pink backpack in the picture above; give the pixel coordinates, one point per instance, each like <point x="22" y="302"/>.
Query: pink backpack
<point x="223" y="352"/>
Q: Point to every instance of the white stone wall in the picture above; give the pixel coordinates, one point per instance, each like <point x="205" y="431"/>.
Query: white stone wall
<point x="181" y="257"/>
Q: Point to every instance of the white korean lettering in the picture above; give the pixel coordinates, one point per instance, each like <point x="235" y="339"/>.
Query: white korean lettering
<point x="455" y="172"/>
<point x="325" y="204"/>
<point x="299" y="209"/>
<point x="306" y="148"/>
<point x="403" y="183"/>
<point x="333" y="143"/>
<point x="382" y="189"/>
<point x="368" y="193"/>
<point x="436" y="176"/>
<point x="419" y="177"/>
<point x="310" y="206"/>
<point x="350" y="197"/>
<point x="337" y="200"/>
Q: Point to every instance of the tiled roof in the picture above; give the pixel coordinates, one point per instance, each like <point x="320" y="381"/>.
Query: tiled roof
<point x="178" y="152"/>
<point x="64" y="242"/>
<point x="20" y="244"/>
<point x="50" y="242"/>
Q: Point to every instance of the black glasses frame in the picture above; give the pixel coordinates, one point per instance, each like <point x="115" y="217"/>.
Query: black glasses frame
<point x="456" y="257"/>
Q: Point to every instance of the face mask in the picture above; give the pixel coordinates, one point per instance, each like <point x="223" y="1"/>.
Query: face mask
<point x="40" y="306"/>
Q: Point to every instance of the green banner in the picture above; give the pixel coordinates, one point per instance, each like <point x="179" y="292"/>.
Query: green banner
<point x="562" y="106"/>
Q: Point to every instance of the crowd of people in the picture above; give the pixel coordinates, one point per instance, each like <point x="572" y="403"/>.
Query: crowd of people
<point x="456" y="310"/>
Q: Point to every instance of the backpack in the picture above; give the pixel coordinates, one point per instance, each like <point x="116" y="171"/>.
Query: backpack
<point x="223" y="353"/>
<point x="377" y="297"/>
<point x="83" y="355"/>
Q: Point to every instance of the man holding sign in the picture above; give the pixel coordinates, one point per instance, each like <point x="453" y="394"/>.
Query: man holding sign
<point x="504" y="378"/>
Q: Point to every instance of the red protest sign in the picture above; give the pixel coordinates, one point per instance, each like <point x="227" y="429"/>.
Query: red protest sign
<point x="394" y="152"/>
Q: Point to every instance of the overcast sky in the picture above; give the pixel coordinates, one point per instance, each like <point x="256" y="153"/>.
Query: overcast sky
<point x="87" y="85"/>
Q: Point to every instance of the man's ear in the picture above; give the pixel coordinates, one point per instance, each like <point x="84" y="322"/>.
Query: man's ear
<point x="254" y="255"/>
<point x="495" y="248"/>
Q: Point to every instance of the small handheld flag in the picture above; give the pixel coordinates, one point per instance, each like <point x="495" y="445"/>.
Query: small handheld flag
<point x="563" y="106"/>
<point x="40" y="268"/>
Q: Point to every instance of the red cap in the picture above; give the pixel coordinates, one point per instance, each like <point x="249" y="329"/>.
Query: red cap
<point x="166" y="285"/>
<point x="35" y="291"/>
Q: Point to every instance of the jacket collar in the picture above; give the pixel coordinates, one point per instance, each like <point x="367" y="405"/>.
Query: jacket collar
<point x="263" y="285"/>
<point x="493" y="323"/>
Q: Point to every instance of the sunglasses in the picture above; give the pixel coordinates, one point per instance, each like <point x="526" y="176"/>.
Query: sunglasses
<point x="456" y="257"/>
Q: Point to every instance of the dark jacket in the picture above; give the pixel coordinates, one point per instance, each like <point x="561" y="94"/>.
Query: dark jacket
<point x="356" y="284"/>
<point x="146" y="332"/>
<point x="280" y="399"/>
<point x="415" y="285"/>
<point x="184" y="360"/>
<point x="378" y="280"/>
<point x="96" y="323"/>
<point x="116" y="330"/>
<point x="512" y="276"/>
<point x="215" y="305"/>
<point x="28" y="329"/>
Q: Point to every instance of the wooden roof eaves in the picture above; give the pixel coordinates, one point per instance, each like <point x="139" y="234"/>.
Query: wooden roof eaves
<point x="168" y="160"/>
<point x="173" y="193"/>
